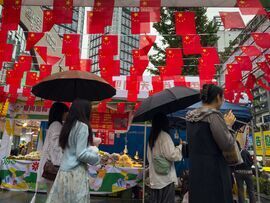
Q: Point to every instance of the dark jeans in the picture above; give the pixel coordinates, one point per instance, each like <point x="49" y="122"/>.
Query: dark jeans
<point x="164" y="195"/>
<point x="240" y="179"/>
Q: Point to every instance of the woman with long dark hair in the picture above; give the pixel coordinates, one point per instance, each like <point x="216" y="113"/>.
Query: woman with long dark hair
<point x="51" y="150"/>
<point x="209" y="135"/>
<point x="71" y="184"/>
<point x="161" y="156"/>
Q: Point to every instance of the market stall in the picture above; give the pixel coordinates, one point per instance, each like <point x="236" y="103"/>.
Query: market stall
<point x="116" y="173"/>
<point x="18" y="169"/>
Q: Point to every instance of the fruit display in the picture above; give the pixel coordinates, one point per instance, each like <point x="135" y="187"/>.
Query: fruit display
<point x="30" y="156"/>
<point x="118" y="160"/>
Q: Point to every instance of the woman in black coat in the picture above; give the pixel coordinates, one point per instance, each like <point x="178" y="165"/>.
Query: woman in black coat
<point x="209" y="134"/>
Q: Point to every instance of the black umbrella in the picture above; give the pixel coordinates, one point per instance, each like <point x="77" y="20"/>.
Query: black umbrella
<point x="167" y="101"/>
<point x="69" y="85"/>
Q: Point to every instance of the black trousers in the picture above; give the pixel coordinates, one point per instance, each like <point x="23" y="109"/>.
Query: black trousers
<point x="164" y="195"/>
<point x="240" y="179"/>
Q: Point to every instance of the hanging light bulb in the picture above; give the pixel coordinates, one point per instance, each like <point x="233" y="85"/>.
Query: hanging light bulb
<point x="136" y="157"/>
<point x="176" y="135"/>
<point x="125" y="150"/>
<point x="24" y="125"/>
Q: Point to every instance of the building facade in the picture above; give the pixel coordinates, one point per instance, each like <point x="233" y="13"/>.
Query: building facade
<point x="121" y="26"/>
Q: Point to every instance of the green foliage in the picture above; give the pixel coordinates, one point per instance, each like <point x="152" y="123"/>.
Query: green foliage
<point x="264" y="185"/>
<point x="166" y="28"/>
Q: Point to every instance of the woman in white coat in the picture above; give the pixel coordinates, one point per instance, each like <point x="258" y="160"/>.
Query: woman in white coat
<point x="51" y="149"/>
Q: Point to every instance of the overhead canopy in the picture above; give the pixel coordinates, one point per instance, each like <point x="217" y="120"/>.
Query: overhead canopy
<point x="136" y="3"/>
<point x="242" y="113"/>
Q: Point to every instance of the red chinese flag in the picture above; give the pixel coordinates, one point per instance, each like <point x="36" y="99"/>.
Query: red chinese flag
<point x="73" y="58"/>
<point x="207" y="69"/>
<point x="154" y="13"/>
<point x="13" y="89"/>
<point x="133" y="71"/>
<point x="251" y="80"/>
<point x="13" y="78"/>
<point x="62" y="11"/>
<point x="251" y="7"/>
<point x="136" y="54"/>
<point x="104" y="58"/>
<point x="132" y="83"/>
<point x="95" y="23"/>
<point x="47" y="104"/>
<point x="153" y="7"/>
<point x="146" y="43"/>
<point x="150" y="3"/>
<point x="30" y="101"/>
<point x="102" y="106"/>
<point x="48" y="20"/>
<point x="31" y="78"/>
<point x="234" y="71"/>
<point x="267" y="57"/>
<point x="244" y="62"/>
<point x="140" y="63"/>
<point x="42" y="51"/>
<point x="262" y="39"/>
<point x="1" y="90"/>
<point x="18" y="70"/>
<point x="192" y="44"/>
<point x="105" y="72"/>
<point x="140" y="22"/>
<point x="109" y="44"/>
<point x="11" y="15"/>
<point x="103" y="11"/>
<point x="71" y="43"/>
<point x="229" y="95"/>
<point x="116" y="68"/>
<point x="264" y="67"/>
<point x="52" y="60"/>
<point x="157" y="84"/>
<point x="185" y="23"/>
<point x="121" y="107"/>
<point x="179" y="80"/>
<point x="85" y="65"/>
<point x="211" y="54"/>
<point x="251" y="50"/>
<point x="32" y="39"/>
<point x="174" y="61"/>
<point x="100" y="17"/>
<point x="25" y="62"/>
<point x="132" y="96"/>
<point x="162" y="70"/>
<point x="232" y="20"/>
<point x="44" y="71"/>
<point x="140" y="66"/>
<point x="264" y="86"/>
<point x="26" y="91"/>
<point x="3" y="36"/>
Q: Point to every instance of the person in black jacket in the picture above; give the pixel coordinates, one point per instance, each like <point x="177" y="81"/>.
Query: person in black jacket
<point x="243" y="173"/>
<point x="209" y="134"/>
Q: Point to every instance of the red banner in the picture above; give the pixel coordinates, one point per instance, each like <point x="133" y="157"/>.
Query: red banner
<point x="110" y="120"/>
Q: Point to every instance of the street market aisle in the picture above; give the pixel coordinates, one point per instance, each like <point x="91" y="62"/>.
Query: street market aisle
<point x="25" y="197"/>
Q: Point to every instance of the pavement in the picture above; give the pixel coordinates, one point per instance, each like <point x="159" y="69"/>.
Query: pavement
<point x="25" y="197"/>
